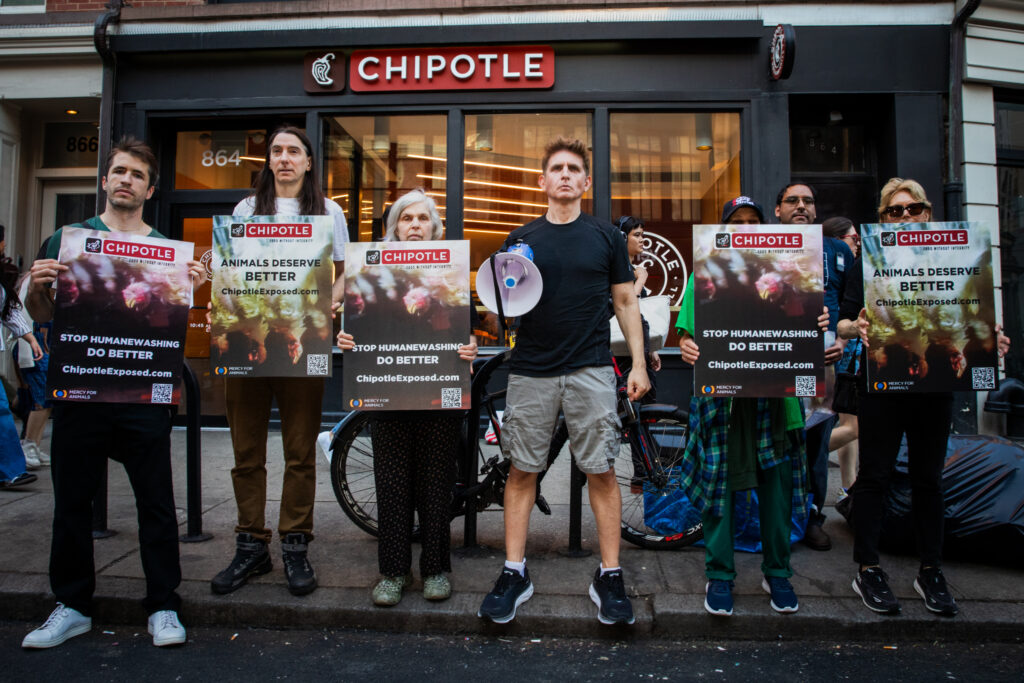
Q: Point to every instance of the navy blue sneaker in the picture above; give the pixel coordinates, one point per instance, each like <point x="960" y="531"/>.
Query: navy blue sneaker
<point x="509" y="592"/>
<point x="719" y="597"/>
<point x="609" y="594"/>
<point x="783" y="596"/>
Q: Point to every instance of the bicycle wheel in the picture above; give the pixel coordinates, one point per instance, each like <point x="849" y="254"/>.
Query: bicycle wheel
<point x="352" y="473"/>
<point x="655" y="512"/>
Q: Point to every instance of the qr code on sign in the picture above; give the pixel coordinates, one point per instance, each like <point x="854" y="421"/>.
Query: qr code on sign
<point x="451" y="398"/>
<point x="983" y="378"/>
<point x="316" y="364"/>
<point x="806" y="385"/>
<point x="162" y="393"/>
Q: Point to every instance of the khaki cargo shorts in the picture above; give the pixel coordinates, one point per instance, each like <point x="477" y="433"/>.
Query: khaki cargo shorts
<point x="587" y="399"/>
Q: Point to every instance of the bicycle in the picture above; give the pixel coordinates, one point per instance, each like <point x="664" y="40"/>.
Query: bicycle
<point x="653" y="440"/>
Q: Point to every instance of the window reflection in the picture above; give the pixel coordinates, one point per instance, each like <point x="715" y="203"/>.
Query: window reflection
<point x="218" y="159"/>
<point x="503" y="154"/>
<point x="373" y="160"/>
<point x="673" y="170"/>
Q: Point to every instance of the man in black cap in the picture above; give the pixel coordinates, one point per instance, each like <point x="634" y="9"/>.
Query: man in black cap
<point x="742" y="211"/>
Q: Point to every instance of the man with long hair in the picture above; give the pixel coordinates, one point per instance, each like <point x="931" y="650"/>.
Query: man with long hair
<point x="287" y="185"/>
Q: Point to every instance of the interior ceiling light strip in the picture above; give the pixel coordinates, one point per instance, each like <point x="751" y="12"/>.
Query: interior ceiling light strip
<point x="482" y="182"/>
<point x="476" y="163"/>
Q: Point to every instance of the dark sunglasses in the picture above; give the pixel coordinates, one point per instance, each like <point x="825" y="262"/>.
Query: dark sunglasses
<point x="896" y="211"/>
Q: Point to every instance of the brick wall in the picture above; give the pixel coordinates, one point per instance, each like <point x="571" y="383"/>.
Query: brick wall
<point x="100" y="5"/>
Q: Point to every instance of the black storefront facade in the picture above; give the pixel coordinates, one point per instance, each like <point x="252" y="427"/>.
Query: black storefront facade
<point x="680" y="117"/>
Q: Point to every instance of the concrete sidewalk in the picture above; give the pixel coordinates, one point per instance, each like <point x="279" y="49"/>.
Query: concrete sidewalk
<point x="667" y="586"/>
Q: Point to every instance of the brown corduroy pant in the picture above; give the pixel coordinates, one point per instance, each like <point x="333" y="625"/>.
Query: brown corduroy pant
<point x="248" y="412"/>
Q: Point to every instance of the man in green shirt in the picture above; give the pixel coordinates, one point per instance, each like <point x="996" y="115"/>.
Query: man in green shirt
<point x="736" y="445"/>
<point x="86" y="434"/>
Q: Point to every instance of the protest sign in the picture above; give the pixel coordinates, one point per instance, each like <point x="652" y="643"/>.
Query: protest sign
<point x="271" y="296"/>
<point x="928" y="290"/>
<point x="758" y="292"/>
<point x="120" y="313"/>
<point x="407" y="306"/>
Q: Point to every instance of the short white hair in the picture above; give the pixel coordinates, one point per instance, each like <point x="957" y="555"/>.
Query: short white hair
<point x="403" y="203"/>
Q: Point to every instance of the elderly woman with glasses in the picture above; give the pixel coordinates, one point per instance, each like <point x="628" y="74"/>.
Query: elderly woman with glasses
<point x="884" y="419"/>
<point x="414" y="454"/>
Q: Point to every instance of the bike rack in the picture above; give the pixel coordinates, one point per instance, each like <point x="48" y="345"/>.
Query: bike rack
<point x="193" y="476"/>
<point x="483" y="369"/>
<point x="576" y="481"/>
<point x="193" y="459"/>
<point x="99" y="509"/>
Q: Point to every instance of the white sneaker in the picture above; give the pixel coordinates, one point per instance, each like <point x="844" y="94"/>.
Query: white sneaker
<point x="62" y="624"/>
<point x="44" y="457"/>
<point x="165" y="628"/>
<point x="31" y="452"/>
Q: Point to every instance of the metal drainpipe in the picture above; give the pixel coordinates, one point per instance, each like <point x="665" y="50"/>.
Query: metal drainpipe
<point x="953" y="193"/>
<point x="109" y="59"/>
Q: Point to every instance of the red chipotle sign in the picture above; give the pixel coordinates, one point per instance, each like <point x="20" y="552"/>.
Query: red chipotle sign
<point x="452" y="68"/>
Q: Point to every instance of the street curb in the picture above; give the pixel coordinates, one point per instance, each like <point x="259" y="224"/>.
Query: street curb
<point x="27" y="597"/>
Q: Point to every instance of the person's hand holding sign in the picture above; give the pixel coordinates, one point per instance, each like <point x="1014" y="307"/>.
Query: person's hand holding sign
<point x="346" y="342"/>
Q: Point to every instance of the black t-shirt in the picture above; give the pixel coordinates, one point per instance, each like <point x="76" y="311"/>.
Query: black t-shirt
<point x="568" y="329"/>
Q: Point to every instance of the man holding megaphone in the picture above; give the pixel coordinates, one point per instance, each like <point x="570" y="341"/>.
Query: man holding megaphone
<point x="562" y="361"/>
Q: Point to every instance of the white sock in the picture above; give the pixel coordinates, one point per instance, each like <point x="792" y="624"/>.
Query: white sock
<point x="517" y="566"/>
<point x="611" y="569"/>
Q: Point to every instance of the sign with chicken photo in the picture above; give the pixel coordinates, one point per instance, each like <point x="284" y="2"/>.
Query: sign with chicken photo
<point x="928" y="290"/>
<point x="121" y="311"/>
<point x="407" y="306"/>
<point x="758" y="292"/>
<point x="270" y="302"/>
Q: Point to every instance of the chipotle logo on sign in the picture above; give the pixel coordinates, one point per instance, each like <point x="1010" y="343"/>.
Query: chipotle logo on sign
<point x="452" y="68"/>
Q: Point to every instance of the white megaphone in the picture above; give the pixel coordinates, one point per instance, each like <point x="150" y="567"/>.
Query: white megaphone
<point x="519" y="284"/>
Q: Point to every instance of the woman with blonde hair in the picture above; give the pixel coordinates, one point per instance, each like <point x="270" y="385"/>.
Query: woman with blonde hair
<point x="884" y="419"/>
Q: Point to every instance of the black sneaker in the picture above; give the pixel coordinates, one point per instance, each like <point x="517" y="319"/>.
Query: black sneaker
<point x="930" y="584"/>
<point x="298" y="571"/>
<point x="609" y="594"/>
<point x="509" y="592"/>
<point x="251" y="559"/>
<point x="873" y="588"/>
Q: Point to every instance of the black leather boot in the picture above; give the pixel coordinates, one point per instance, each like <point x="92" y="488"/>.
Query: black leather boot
<point x="251" y="559"/>
<point x="300" y="575"/>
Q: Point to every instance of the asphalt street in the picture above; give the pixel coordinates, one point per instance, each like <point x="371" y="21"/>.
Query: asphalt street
<point x="246" y="654"/>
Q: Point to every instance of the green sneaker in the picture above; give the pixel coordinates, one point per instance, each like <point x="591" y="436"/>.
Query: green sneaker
<point x="437" y="587"/>
<point x="388" y="590"/>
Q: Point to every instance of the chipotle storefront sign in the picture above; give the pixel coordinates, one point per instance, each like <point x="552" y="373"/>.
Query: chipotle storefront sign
<point x="453" y="68"/>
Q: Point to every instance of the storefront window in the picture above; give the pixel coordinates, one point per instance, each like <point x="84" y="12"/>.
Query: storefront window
<point x="673" y="170"/>
<point x="503" y="154"/>
<point x="218" y="159"/>
<point x="370" y="161"/>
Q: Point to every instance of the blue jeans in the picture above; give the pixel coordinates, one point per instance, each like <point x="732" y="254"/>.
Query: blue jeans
<point x="12" y="458"/>
<point x="818" y="437"/>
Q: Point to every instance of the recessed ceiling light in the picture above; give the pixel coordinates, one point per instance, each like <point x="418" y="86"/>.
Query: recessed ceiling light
<point x="72" y="112"/>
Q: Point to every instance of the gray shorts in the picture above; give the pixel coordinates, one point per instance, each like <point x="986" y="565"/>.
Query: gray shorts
<point x="586" y="398"/>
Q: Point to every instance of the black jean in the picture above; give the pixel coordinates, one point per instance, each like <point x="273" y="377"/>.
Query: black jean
<point x="883" y="420"/>
<point x="139" y="437"/>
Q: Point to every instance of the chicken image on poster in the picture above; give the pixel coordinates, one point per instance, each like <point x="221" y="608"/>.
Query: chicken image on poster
<point x="407" y="305"/>
<point x="758" y="292"/>
<point x="928" y="291"/>
<point x="120" y="315"/>
<point x="270" y="300"/>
